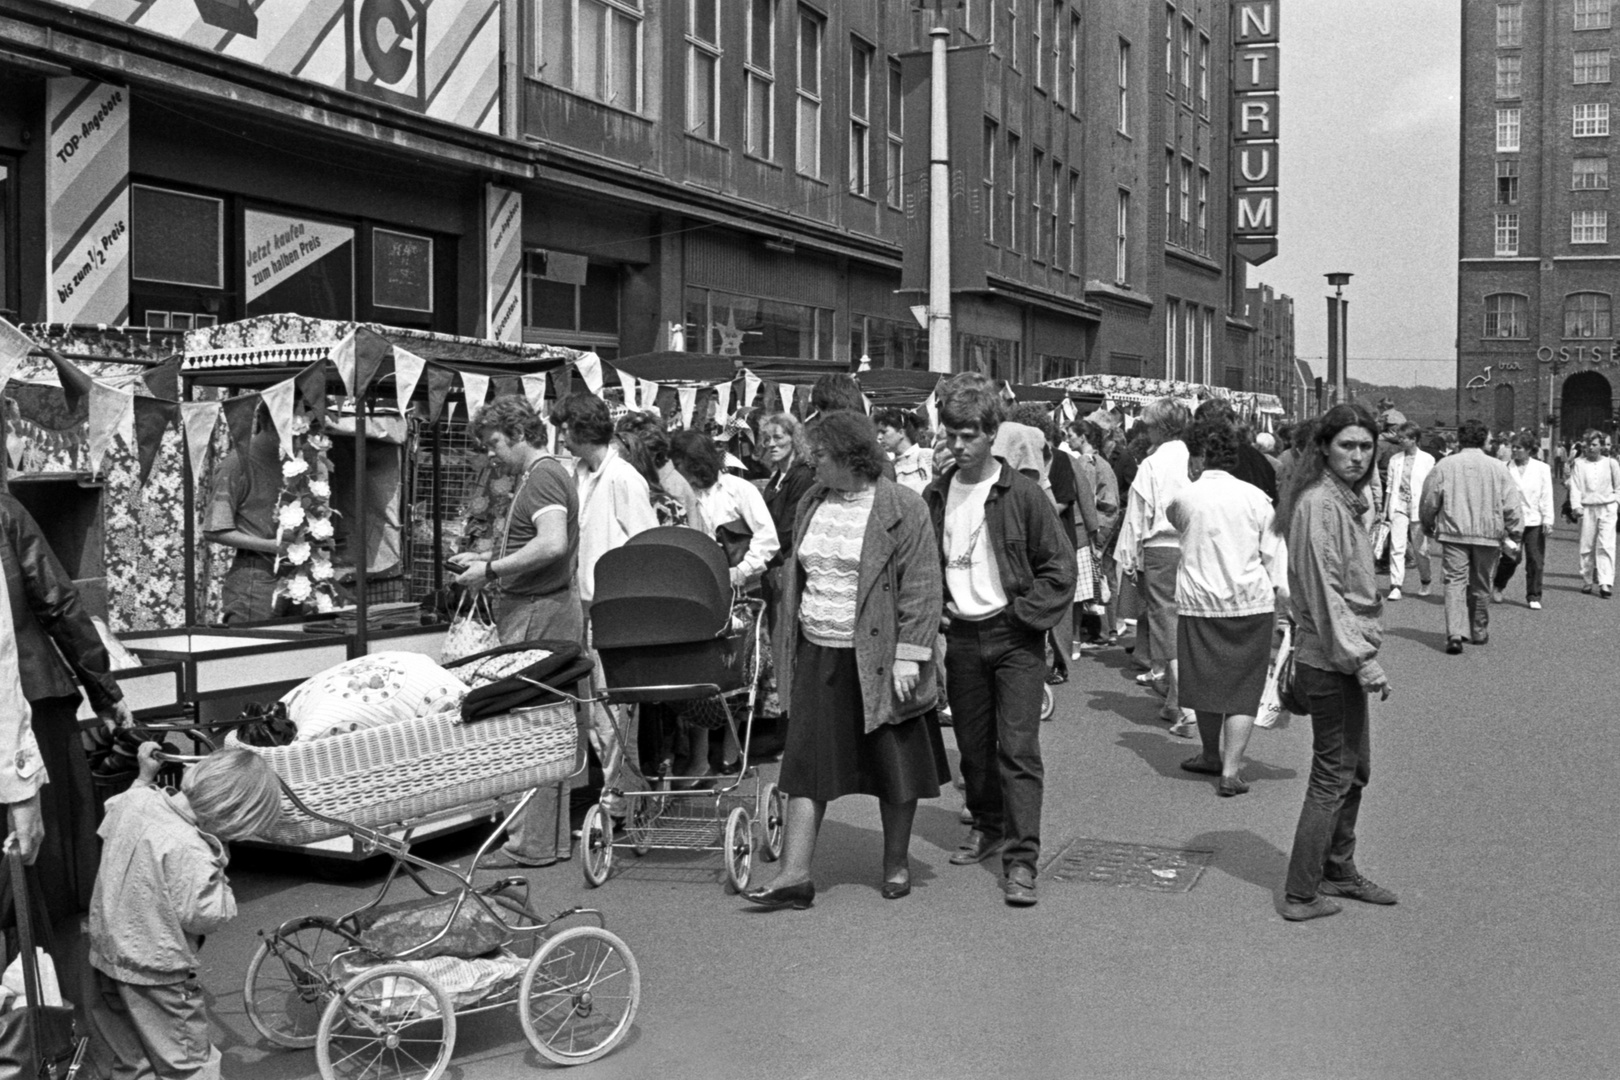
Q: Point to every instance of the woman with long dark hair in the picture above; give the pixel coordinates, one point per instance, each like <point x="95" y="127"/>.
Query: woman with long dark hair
<point x="1336" y="604"/>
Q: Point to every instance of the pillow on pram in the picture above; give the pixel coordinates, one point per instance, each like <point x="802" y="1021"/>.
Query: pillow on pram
<point x="370" y="691"/>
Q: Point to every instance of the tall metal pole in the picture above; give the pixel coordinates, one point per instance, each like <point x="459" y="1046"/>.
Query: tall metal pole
<point x="939" y="213"/>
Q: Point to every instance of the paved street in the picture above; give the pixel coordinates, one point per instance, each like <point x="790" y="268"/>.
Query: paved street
<point x="1491" y="812"/>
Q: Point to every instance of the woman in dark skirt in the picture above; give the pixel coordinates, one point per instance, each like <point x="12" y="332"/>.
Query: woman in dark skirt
<point x="1233" y="571"/>
<point x="52" y="625"/>
<point x="854" y="649"/>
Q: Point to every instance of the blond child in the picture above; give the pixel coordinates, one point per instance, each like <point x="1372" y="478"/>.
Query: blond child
<point x="161" y="887"/>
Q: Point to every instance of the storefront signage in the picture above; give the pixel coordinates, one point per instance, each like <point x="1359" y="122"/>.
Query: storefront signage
<point x="1601" y="355"/>
<point x="439" y="58"/>
<point x="401" y="270"/>
<point x="965" y="110"/>
<point x="87" y="202"/>
<point x="1254" y="128"/>
<point x="278" y="247"/>
<point x="503" y="263"/>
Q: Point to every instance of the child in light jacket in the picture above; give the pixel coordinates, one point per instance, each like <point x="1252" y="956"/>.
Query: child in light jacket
<point x="161" y="888"/>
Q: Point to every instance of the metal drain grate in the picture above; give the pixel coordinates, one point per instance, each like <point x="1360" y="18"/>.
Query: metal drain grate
<point x="1109" y="862"/>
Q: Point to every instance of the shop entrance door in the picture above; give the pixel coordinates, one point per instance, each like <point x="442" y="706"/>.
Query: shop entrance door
<point x="1586" y="402"/>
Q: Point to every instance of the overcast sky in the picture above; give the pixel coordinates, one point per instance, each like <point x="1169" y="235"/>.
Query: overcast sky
<point x="1369" y="155"/>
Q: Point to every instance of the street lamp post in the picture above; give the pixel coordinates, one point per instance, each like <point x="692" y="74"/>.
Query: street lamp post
<point x="1339" y="337"/>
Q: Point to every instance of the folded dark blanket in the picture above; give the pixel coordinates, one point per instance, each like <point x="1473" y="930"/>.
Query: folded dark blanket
<point x="566" y="665"/>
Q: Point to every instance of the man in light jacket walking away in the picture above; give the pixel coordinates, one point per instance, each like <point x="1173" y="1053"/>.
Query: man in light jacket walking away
<point x="1408" y="469"/>
<point x="1470" y="504"/>
<point x="1594" y="491"/>
<point x="1536" y="504"/>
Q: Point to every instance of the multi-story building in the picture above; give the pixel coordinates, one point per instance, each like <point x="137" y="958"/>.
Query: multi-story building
<point x="1537" y="276"/>
<point x="1267" y="366"/>
<point x="735" y="175"/>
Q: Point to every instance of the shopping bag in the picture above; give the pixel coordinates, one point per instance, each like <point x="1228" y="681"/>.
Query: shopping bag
<point x="37" y="1041"/>
<point x="1279" y="681"/>
<point x="1380" y="541"/>
<point x="472" y="631"/>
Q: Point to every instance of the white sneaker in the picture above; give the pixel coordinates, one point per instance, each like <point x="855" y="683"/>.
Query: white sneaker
<point x="1394" y="594"/>
<point x="1425" y="590"/>
<point x="1535" y="605"/>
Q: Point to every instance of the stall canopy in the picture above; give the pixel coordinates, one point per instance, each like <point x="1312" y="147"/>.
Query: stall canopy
<point x="1136" y="390"/>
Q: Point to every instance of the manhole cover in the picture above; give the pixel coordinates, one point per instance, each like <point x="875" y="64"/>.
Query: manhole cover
<point x="1109" y="862"/>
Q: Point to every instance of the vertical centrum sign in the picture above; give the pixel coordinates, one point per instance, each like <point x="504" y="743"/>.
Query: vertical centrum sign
<point x="1254" y="129"/>
<point x="87" y="202"/>
<point x="503" y="263"/>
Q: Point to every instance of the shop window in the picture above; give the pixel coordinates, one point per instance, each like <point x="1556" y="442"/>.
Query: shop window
<point x="8" y="237"/>
<point x="732" y="325"/>
<point x="177" y="238"/>
<point x="888" y="343"/>
<point x="592" y="47"/>
<point x="569" y="301"/>
<point x="996" y="358"/>
<point x="1586" y="315"/>
<point x="297" y="264"/>
<point x="1507" y="316"/>
<point x="401" y="271"/>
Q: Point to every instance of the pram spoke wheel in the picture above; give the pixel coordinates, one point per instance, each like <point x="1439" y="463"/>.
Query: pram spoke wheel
<point x="739" y="848"/>
<point x="579" y="995"/>
<point x="287" y="985"/>
<point x="773" y="807"/>
<point x="1048" y="703"/>
<point x="596" y="845"/>
<point x="388" y="1023"/>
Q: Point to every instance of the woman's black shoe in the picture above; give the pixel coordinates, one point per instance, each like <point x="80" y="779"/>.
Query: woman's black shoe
<point x="896" y="890"/>
<point x="798" y="896"/>
<point x="1057" y="678"/>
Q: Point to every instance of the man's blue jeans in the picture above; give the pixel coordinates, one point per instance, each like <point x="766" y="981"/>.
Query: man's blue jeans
<point x="1341" y="763"/>
<point x="996" y="674"/>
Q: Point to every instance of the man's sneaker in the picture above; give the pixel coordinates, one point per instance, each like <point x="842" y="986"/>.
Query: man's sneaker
<point x="1496" y="596"/>
<point x="1357" y="888"/>
<point x="1394" y="594"/>
<point x="1317" y="907"/>
<point x="1424" y="591"/>
<point x="1453" y="646"/>
<point x="1535" y="605"/>
<point x="1605" y="592"/>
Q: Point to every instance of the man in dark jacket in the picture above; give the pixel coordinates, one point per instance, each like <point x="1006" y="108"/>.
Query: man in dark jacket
<point x="1009" y="578"/>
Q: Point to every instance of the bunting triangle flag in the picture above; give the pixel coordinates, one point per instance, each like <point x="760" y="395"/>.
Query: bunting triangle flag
<point x="342" y="355"/>
<point x="534" y="388"/>
<point x="407" y="373"/>
<point x="931" y="405"/>
<point x="112" y="412"/>
<point x="505" y="386"/>
<point x="312" y="388"/>
<point x="239" y="413"/>
<point x="787" y="391"/>
<point x="75" y="382"/>
<point x="688" y="399"/>
<point x="590" y="369"/>
<point x="449" y="411"/>
<point x="439" y="380"/>
<point x="152" y="419"/>
<point x="722" y="402"/>
<point x="14" y="346"/>
<point x="649" y="395"/>
<point x="627" y="383"/>
<point x="751" y="385"/>
<point x="198" y="419"/>
<point x="476" y="389"/>
<point x="866" y="404"/>
<point x="281" y="399"/>
<point x="370" y="350"/>
<point x="163" y="381"/>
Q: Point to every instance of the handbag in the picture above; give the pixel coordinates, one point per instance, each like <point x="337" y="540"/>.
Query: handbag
<point x="735" y="537"/>
<point x="472" y="631"/>
<point x="38" y="1041"/>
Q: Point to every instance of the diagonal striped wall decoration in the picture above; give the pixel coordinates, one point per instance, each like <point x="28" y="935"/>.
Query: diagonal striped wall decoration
<point x="503" y="262"/>
<point x="87" y="202"/>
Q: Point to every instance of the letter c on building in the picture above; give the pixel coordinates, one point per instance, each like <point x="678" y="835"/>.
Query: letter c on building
<point x="390" y="65"/>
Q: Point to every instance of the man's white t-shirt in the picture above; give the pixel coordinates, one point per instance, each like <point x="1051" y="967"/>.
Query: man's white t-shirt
<point x="971" y="573"/>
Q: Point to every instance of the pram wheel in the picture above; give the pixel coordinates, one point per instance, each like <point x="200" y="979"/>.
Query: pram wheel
<point x="773" y="804"/>
<point x="1048" y="703"/>
<point x="579" y="995"/>
<point x="596" y="845"/>
<point x="388" y="1023"/>
<point x="287" y="985"/>
<point x="739" y="848"/>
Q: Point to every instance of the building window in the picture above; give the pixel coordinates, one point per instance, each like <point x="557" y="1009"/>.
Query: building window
<point x="560" y="308"/>
<point x="1189" y="348"/>
<point x="1054" y="216"/>
<point x="1122" y="238"/>
<point x="1014" y="164"/>
<point x="1037" y="220"/>
<point x="1184" y="204"/>
<point x="1170" y="50"/>
<point x="592" y="47"/>
<point x="1591" y="14"/>
<point x="1507" y="129"/>
<point x="1012" y="33"/>
<point x="860" y="118"/>
<point x="733" y="325"/>
<point x="1202" y="244"/>
<point x="1059" y="18"/>
<point x="974" y="17"/>
<point x="402" y="271"/>
<point x="1586" y="315"/>
<point x="1507" y="234"/>
<point x="1591" y="66"/>
<point x="1037" y="26"/>
<point x="1507" y="316"/>
<point x="895" y="161"/>
<point x="1186" y="60"/>
<point x="703" y="69"/>
<point x="888" y="343"/>
<point x="1124" y="87"/>
<point x="991" y="136"/>
<point x="1509" y="70"/>
<point x="1203" y="74"/>
<point x="1209" y="344"/>
<point x="1507" y="182"/>
<point x="1589" y="226"/>
<point x="1075" y="40"/>
<point x="1591" y="174"/>
<point x="1509" y="26"/>
<point x="1172" y="309"/>
<point x="181" y="237"/>
<point x="1169" y="195"/>
<point x="1590" y="121"/>
<point x="759" y="72"/>
<point x="1074" y="222"/>
<point x="808" y="158"/>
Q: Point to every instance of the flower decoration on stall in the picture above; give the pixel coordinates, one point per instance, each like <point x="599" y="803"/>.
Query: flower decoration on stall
<point x="305" y="520"/>
<point x="492" y="489"/>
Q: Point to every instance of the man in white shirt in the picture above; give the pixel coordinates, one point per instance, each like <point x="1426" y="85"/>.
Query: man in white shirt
<point x="614" y="505"/>
<point x="1407" y="545"/>
<point x="1536" y="493"/>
